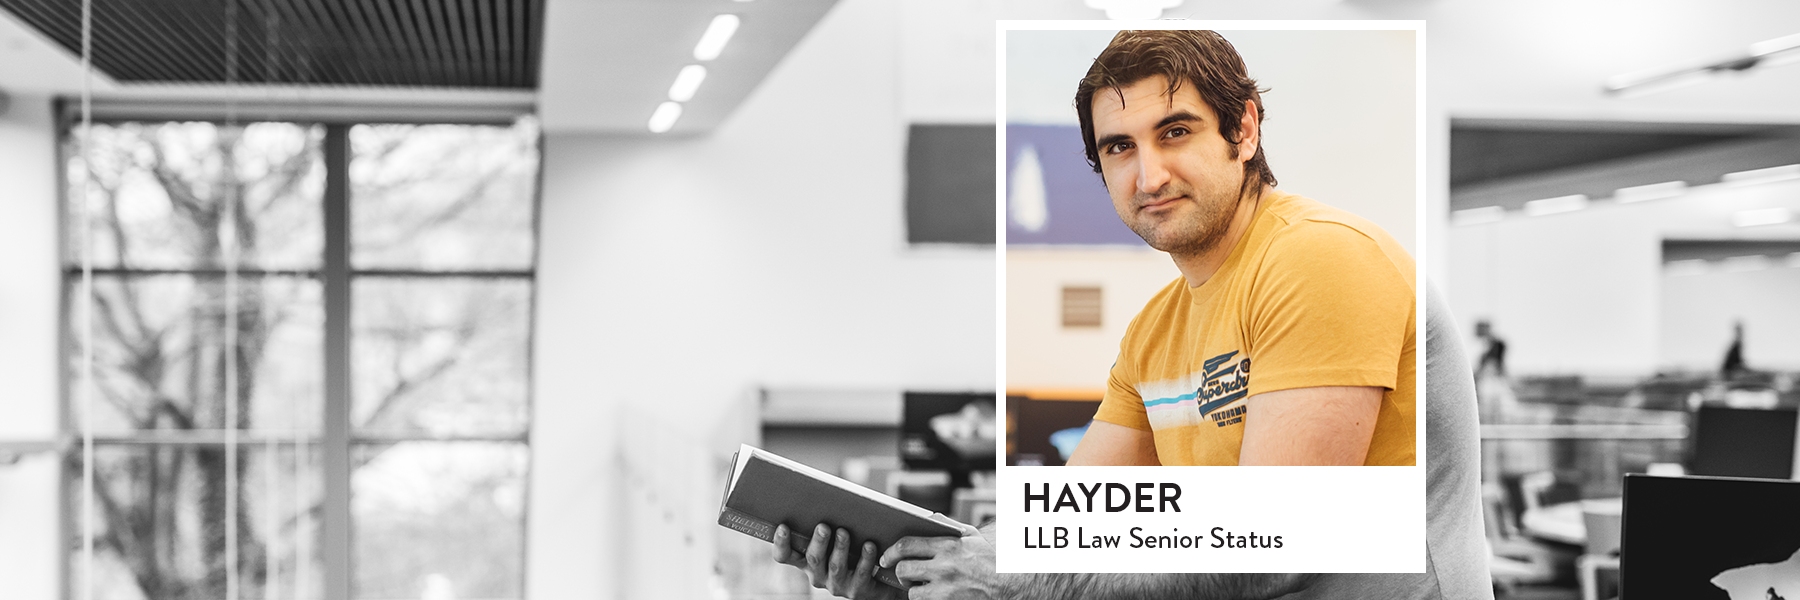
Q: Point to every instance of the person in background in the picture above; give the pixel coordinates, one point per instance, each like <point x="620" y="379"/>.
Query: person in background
<point x="1734" y="368"/>
<point x="1492" y="386"/>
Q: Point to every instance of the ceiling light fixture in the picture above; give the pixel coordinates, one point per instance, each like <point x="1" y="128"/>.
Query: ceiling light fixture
<point x="1686" y="268"/>
<point x="1477" y="216"/>
<point x="1757" y="176"/>
<point x="664" y="118"/>
<point x="1133" y="9"/>
<point x="687" y="82"/>
<point x="1745" y="264"/>
<point x="1559" y="204"/>
<point x="1654" y="191"/>
<point x="713" y="41"/>
<point x="1761" y="216"/>
<point x="1767" y="53"/>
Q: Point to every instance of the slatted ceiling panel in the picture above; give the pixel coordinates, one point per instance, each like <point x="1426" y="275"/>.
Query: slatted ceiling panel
<point x="433" y="43"/>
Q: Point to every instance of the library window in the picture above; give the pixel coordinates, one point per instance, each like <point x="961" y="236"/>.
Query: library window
<point x="311" y="356"/>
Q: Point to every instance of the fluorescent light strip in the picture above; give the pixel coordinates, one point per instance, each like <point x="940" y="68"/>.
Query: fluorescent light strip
<point x="664" y="118"/>
<point x="1682" y="268"/>
<point x="1769" y="175"/>
<point x="1654" y="191"/>
<point x="1477" y="216"/>
<point x="1743" y="264"/>
<point x="717" y="34"/>
<point x="1780" y="44"/>
<point x="687" y="82"/>
<point x="1761" y="216"/>
<point x="1559" y="204"/>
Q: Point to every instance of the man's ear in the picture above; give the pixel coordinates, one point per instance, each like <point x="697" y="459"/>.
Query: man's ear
<point x="1249" y="132"/>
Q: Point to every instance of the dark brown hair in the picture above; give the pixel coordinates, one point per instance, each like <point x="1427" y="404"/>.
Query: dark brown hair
<point x="1199" y="58"/>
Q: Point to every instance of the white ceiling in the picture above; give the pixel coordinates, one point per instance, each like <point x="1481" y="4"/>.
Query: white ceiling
<point x="608" y="62"/>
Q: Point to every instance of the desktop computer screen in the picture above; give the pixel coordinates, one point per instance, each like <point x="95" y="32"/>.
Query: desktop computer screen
<point x="1743" y="442"/>
<point x="1044" y="432"/>
<point x="953" y="432"/>
<point x="1710" y="537"/>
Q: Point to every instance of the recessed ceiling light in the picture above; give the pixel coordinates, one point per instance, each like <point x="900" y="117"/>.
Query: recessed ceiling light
<point x="1559" y="204"/>
<point x="713" y="41"/>
<point x="687" y="82"/>
<point x="1689" y="267"/>
<point x="1477" y="216"/>
<point x="1654" y="191"/>
<point x="664" y="118"/>
<point x="1769" y="175"/>
<point x="1133" y="10"/>
<point x="1743" y="264"/>
<point x="1761" y="216"/>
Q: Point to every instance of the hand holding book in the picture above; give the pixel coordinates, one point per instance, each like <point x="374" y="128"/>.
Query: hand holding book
<point x="776" y="499"/>
<point x="826" y="562"/>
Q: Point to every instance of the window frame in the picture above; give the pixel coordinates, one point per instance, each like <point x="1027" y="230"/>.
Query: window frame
<point x="336" y="442"/>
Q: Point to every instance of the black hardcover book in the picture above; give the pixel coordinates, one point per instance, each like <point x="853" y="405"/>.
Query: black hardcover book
<point x="765" y="489"/>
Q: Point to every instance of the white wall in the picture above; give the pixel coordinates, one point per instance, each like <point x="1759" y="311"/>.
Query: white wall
<point x="1698" y="310"/>
<point x="1582" y="292"/>
<point x="29" y="564"/>
<point x="1042" y="355"/>
<point x="676" y="274"/>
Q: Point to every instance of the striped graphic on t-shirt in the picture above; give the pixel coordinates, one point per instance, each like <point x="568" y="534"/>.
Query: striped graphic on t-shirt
<point x="1192" y="398"/>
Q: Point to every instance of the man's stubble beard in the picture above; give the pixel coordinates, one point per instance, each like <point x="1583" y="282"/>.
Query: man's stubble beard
<point x="1200" y="232"/>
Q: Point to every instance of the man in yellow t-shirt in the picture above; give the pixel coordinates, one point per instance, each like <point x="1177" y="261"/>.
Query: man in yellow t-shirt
<point x="1310" y="297"/>
<point x="1289" y="337"/>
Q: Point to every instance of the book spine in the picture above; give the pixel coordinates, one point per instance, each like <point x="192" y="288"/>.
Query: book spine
<point x="763" y="530"/>
<point x="733" y="519"/>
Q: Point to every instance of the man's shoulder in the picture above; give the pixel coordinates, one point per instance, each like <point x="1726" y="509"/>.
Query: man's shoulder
<point x="1171" y="297"/>
<point x="1311" y="231"/>
<point x="1303" y="220"/>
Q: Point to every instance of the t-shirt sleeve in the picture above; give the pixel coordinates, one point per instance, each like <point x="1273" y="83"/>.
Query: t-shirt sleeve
<point x="1330" y="309"/>
<point x="1122" y="405"/>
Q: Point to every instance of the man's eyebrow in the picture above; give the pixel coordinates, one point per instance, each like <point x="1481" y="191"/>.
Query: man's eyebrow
<point x="1172" y="119"/>
<point x="1177" y="118"/>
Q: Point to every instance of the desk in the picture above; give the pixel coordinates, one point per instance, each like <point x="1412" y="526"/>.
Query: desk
<point x="1557" y="523"/>
<point x="1587" y="569"/>
<point x="1569" y="522"/>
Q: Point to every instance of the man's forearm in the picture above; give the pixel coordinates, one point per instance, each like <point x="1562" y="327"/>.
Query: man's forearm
<point x="1155" y="586"/>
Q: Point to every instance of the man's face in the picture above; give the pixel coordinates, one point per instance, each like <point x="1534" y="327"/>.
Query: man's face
<point x="1173" y="179"/>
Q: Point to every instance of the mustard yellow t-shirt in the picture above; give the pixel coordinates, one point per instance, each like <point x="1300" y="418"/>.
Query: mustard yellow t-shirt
<point x="1310" y="296"/>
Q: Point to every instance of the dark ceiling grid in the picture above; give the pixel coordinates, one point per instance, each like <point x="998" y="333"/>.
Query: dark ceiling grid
<point x="463" y="50"/>
<point x="458" y="47"/>
<point x="431" y="23"/>
<point x="432" y="43"/>
<point x="502" y="44"/>
<point x="486" y="35"/>
<point x="300" y="22"/>
<point x="403" y="46"/>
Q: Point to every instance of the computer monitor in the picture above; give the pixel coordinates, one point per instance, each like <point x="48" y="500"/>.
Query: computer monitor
<point x="1710" y="537"/>
<point x="1743" y="442"/>
<point x="954" y="432"/>
<point x="1044" y="432"/>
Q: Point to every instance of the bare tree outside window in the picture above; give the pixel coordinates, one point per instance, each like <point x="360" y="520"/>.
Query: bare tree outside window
<point x="443" y="246"/>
